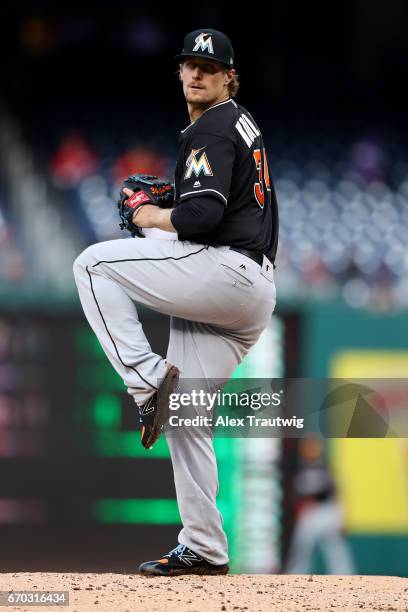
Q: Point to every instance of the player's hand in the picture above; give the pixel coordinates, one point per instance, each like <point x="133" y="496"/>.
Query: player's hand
<point x="138" y="191"/>
<point x="147" y="215"/>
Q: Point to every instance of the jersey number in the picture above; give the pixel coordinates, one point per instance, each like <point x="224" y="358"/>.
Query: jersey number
<point x="263" y="176"/>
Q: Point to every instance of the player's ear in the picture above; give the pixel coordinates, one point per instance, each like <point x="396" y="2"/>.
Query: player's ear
<point x="230" y="75"/>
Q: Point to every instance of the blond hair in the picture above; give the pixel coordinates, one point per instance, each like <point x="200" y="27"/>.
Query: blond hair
<point x="233" y="86"/>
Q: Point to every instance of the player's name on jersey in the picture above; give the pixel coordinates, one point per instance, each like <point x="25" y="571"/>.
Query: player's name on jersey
<point x="247" y="130"/>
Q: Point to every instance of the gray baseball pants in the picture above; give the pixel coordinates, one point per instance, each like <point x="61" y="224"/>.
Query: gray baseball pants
<point x="219" y="302"/>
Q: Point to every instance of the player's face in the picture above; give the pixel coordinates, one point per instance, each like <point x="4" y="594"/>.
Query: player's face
<point x="204" y="81"/>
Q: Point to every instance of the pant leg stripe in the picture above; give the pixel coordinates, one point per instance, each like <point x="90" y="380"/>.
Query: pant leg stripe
<point x="151" y="258"/>
<point x="113" y="342"/>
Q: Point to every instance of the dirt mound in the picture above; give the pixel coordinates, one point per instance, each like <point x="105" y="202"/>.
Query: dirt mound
<point x="264" y="593"/>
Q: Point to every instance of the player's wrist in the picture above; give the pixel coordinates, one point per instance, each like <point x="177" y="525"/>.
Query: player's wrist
<point x="149" y="216"/>
<point x="144" y="217"/>
<point x="164" y="220"/>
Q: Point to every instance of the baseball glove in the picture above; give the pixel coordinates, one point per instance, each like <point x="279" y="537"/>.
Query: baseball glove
<point x="146" y="189"/>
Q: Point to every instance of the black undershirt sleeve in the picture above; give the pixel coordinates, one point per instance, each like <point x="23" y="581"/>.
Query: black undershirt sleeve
<point x="197" y="215"/>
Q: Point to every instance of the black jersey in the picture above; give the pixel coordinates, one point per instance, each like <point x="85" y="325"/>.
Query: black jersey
<point x="222" y="154"/>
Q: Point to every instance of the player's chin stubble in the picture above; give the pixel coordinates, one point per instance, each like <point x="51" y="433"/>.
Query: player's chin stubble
<point x="198" y="101"/>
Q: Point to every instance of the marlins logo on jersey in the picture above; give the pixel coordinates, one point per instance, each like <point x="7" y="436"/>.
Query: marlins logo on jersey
<point x="197" y="165"/>
<point x="204" y="43"/>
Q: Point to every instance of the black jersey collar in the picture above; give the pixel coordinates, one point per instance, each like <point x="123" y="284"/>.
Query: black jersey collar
<point x="208" y="109"/>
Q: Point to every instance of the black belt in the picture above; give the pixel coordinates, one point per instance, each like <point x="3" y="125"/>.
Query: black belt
<point x="254" y="255"/>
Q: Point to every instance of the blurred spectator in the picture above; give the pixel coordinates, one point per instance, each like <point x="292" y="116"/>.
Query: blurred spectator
<point x="73" y="161"/>
<point x="140" y="159"/>
<point x="319" y="516"/>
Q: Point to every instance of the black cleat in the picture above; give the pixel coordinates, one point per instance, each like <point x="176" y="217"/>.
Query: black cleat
<point x="154" y="413"/>
<point x="179" y="561"/>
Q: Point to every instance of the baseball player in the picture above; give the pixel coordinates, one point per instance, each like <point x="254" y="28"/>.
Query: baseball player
<point x="216" y="281"/>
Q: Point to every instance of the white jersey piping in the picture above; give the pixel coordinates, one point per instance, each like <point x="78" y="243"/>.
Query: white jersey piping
<point x="203" y="191"/>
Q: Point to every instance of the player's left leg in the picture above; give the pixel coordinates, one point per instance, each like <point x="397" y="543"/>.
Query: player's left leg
<point x="203" y="546"/>
<point x="207" y="356"/>
<point x="204" y="354"/>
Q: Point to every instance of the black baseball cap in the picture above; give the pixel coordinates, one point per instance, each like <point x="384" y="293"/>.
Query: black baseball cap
<point x="210" y="44"/>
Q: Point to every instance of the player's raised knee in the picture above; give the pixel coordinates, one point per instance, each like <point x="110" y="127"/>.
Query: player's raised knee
<point x="86" y="258"/>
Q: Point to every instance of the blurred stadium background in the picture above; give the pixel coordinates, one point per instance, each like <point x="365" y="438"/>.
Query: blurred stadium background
<point x="88" y="95"/>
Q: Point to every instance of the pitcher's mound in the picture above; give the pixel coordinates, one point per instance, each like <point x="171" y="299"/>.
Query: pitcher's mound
<point x="265" y="593"/>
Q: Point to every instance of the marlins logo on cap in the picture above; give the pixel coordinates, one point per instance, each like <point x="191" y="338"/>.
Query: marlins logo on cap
<point x="210" y="44"/>
<point x="203" y="42"/>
